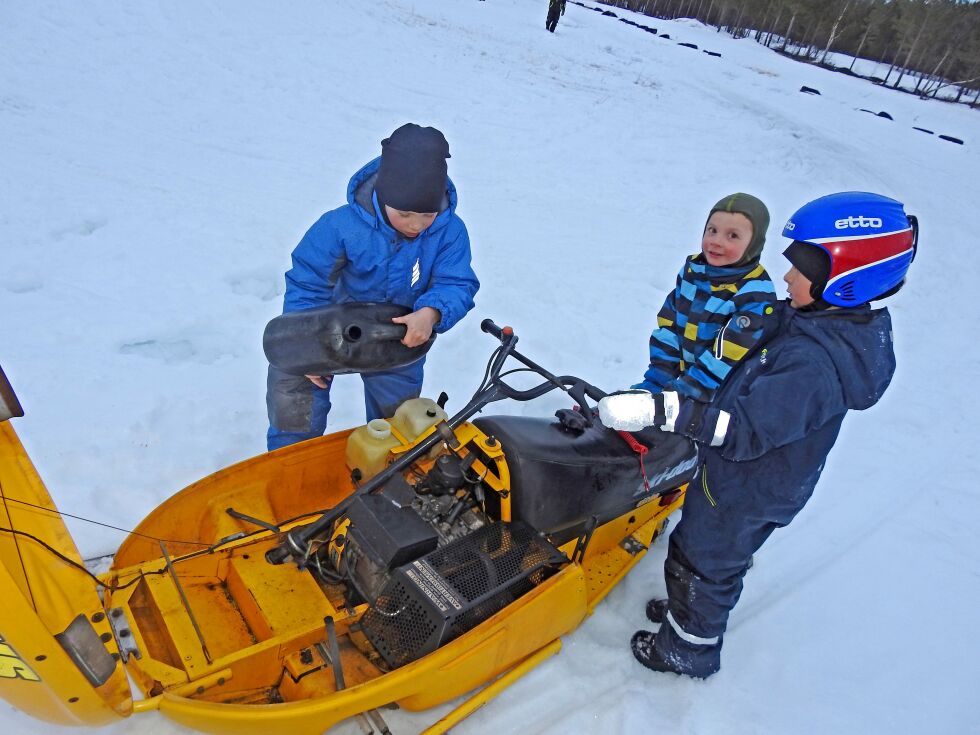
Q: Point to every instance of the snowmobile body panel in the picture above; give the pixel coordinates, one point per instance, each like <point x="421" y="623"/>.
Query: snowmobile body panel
<point x="229" y="643"/>
<point x="53" y="663"/>
<point x="300" y="478"/>
<point x="553" y="609"/>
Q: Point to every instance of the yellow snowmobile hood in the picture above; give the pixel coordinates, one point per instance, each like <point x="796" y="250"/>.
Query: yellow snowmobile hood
<point x="58" y="657"/>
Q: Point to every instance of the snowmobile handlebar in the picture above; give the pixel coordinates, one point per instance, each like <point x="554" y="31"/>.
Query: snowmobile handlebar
<point x="297" y="542"/>
<point x="567" y="383"/>
<point x="501" y="333"/>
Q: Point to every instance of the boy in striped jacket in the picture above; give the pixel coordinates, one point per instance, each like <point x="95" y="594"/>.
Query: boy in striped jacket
<point x="715" y="315"/>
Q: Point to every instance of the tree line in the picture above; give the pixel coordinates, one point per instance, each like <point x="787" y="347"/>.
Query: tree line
<point x="929" y="45"/>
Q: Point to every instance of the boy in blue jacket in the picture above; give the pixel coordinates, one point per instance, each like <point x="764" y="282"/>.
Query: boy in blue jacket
<point x="765" y="437"/>
<point x="714" y="316"/>
<point x="397" y="240"/>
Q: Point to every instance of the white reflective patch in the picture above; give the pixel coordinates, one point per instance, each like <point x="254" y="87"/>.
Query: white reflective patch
<point x="672" y="406"/>
<point x="416" y="272"/>
<point x="721" y="428"/>
<point x="684" y="635"/>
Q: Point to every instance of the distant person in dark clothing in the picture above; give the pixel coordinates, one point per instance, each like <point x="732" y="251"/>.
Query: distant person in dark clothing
<point x="556" y="9"/>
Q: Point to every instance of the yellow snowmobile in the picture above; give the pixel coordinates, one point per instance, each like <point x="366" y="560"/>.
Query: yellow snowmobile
<point x="406" y="562"/>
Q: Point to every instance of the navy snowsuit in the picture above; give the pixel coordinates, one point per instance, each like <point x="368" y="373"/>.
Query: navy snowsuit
<point x="785" y="403"/>
<point x="352" y="254"/>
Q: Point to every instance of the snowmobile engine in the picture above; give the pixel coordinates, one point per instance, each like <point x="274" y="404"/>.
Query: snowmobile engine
<point x="440" y="596"/>
<point x="429" y="556"/>
<point x="403" y="522"/>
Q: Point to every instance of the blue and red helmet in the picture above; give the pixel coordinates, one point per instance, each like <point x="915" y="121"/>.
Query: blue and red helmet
<point x="868" y="238"/>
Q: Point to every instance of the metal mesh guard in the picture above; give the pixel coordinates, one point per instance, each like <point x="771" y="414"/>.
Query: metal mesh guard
<point x="431" y="601"/>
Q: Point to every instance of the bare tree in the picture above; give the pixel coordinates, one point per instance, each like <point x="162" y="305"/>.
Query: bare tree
<point x="833" y="31"/>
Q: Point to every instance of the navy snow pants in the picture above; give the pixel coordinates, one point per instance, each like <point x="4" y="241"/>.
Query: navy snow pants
<point x="709" y="552"/>
<point x="298" y="409"/>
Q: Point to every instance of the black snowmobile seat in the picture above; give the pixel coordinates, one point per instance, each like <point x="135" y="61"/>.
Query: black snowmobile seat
<point x="559" y="480"/>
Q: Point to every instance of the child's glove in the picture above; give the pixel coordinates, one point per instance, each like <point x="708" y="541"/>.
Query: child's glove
<point x="632" y="410"/>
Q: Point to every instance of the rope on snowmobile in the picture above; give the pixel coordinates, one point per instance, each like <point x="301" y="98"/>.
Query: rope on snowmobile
<point x="104" y="525"/>
<point x="73" y="563"/>
<point x="209" y="548"/>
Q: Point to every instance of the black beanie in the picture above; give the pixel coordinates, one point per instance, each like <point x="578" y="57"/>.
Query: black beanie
<point x="412" y="177"/>
<point x="757" y="213"/>
<point x="813" y="262"/>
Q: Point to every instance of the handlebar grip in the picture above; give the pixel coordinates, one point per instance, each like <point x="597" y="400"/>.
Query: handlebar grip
<point x="489" y="327"/>
<point x="501" y="333"/>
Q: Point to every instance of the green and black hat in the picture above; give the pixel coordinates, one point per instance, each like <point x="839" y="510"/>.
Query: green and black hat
<point x="753" y="208"/>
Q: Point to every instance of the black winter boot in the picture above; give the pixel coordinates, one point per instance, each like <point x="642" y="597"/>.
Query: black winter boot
<point x="657" y="611"/>
<point x="645" y="652"/>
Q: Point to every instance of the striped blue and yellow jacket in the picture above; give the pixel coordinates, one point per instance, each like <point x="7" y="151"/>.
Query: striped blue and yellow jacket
<point x="709" y="322"/>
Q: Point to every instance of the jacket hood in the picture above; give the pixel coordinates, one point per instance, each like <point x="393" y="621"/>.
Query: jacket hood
<point x="360" y="192"/>
<point x="859" y="343"/>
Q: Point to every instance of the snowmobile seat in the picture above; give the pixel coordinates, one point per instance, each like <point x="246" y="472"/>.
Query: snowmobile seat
<point x="559" y="479"/>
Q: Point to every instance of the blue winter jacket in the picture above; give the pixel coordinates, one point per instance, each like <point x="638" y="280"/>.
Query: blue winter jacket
<point x="786" y="401"/>
<point x="352" y="254"/>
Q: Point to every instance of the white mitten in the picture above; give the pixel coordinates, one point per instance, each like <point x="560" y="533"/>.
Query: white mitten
<point x="628" y="410"/>
<point x="632" y="410"/>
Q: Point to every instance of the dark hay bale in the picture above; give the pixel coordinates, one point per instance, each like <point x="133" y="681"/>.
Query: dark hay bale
<point x="924" y="130"/>
<point x="809" y="90"/>
<point x="951" y="139"/>
<point x="687" y="45"/>
<point x="712" y="53"/>
<point x="885" y="115"/>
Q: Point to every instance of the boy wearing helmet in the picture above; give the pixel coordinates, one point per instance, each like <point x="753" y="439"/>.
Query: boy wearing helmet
<point x="397" y="240"/>
<point x="765" y="437"/>
<point x="714" y="316"/>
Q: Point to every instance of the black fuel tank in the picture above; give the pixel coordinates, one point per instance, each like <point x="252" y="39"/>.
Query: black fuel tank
<point x="340" y="338"/>
<point x="559" y="479"/>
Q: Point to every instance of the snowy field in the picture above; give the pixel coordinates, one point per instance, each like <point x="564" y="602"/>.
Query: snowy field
<point x="160" y="160"/>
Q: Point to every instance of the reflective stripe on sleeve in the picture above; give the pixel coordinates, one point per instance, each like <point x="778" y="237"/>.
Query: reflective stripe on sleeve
<point x="721" y="428"/>
<point x="672" y="406"/>
<point x="684" y="635"/>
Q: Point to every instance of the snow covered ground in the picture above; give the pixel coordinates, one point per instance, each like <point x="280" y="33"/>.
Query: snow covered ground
<point x="160" y="160"/>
